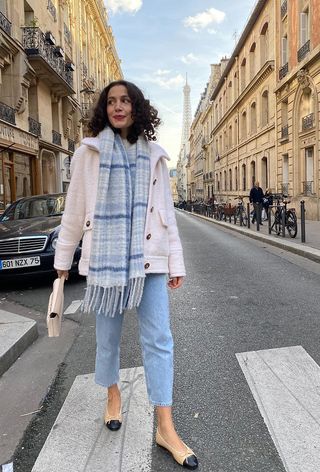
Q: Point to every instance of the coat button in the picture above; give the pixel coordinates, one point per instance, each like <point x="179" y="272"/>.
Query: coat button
<point x="151" y="209"/>
<point x="87" y="223"/>
<point x="148" y="236"/>
<point x="147" y="265"/>
<point x="154" y="182"/>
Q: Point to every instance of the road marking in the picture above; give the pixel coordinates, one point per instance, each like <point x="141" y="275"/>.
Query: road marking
<point x="7" y="467"/>
<point x="285" y="384"/>
<point x="80" y="442"/>
<point x="73" y="307"/>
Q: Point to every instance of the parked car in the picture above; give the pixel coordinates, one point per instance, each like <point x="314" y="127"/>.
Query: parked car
<point x="29" y="231"/>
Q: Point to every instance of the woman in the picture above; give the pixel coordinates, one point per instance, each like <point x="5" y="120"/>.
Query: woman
<point x="119" y="201"/>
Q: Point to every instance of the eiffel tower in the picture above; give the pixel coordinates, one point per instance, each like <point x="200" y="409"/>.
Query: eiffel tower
<point x="185" y="147"/>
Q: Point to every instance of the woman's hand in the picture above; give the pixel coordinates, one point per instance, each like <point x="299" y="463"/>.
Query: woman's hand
<point x="175" y="282"/>
<point x="63" y="273"/>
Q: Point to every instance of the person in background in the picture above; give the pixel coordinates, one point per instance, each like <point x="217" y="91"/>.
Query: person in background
<point x="256" y="199"/>
<point x="119" y="202"/>
<point x="267" y="201"/>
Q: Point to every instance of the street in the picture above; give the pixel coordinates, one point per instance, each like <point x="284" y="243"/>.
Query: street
<point x="240" y="295"/>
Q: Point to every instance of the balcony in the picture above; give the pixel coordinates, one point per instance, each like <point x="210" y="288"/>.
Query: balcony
<point x="285" y="132"/>
<point x="284" y="8"/>
<point x="303" y="51"/>
<point x="283" y="71"/>
<point x="71" y="145"/>
<point x="34" y="126"/>
<point x="285" y="189"/>
<point x="7" y="113"/>
<point x="56" y="137"/>
<point x="48" y="61"/>
<point x="308" y="122"/>
<point x="5" y="24"/>
<point x="52" y="9"/>
<point x="307" y="187"/>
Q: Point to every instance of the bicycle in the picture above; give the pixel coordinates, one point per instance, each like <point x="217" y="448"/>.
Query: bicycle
<point x="241" y="212"/>
<point x="289" y="217"/>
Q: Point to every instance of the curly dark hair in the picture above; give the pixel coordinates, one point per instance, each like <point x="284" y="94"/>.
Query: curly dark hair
<point x="145" y="116"/>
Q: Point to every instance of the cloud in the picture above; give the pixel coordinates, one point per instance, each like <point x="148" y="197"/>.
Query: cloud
<point x="204" y="19"/>
<point x="162" y="72"/>
<point x="129" y="6"/>
<point x="189" y="58"/>
<point x="168" y="82"/>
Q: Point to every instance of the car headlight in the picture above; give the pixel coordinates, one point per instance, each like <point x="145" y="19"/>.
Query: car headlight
<point x="54" y="242"/>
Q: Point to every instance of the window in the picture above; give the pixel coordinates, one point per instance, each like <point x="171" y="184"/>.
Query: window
<point x="285" y="174"/>
<point x="304" y="27"/>
<point x="230" y="136"/>
<point x="264" y="42"/>
<point x="265" y="108"/>
<point x="244" y="177"/>
<point x="230" y="179"/>
<point x="308" y="170"/>
<point x="225" y="180"/>
<point x="264" y="173"/>
<point x="252" y="60"/>
<point x="243" y="75"/>
<point x="253" y="172"/>
<point x="235" y="132"/>
<point x="253" y="118"/>
<point x="284" y="119"/>
<point x="244" y="126"/>
<point x="236" y="177"/>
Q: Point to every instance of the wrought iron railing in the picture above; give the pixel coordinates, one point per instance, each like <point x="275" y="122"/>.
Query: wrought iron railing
<point x="303" y="51"/>
<point x="67" y="34"/>
<point x="52" y="9"/>
<point x="284" y="8"/>
<point x="283" y="71"/>
<point x="56" y="137"/>
<point x="35" y="45"/>
<point x="285" y="132"/>
<point x="285" y="189"/>
<point x="71" y="145"/>
<point x="34" y="126"/>
<point x="7" y="113"/>
<point x="308" y="122"/>
<point x="307" y="187"/>
<point x="5" y="24"/>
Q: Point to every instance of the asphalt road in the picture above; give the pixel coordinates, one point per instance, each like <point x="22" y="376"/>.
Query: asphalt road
<point x="240" y="295"/>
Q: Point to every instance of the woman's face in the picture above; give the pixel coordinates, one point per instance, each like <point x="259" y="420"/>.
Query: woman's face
<point x="119" y="109"/>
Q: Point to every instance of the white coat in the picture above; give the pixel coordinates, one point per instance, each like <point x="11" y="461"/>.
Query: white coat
<point x="162" y="246"/>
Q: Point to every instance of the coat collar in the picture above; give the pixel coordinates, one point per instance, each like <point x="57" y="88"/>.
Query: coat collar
<point x="156" y="150"/>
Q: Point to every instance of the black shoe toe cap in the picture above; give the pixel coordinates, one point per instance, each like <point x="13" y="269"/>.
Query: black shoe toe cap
<point x="113" y="425"/>
<point x="191" y="462"/>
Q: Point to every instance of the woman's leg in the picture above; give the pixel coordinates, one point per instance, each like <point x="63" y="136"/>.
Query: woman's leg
<point x="108" y="334"/>
<point x="157" y="349"/>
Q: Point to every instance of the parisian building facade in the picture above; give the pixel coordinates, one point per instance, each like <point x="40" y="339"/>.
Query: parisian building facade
<point x="262" y="120"/>
<point x="55" y="58"/>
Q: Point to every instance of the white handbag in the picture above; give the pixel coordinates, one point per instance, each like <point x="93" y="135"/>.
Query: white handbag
<point x="55" y="308"/>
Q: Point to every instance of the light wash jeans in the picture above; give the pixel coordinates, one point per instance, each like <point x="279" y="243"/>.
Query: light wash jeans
<point x="155" y="338"/>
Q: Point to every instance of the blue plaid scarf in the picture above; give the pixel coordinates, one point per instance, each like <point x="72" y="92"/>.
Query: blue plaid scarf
<point x="116" y="272"/>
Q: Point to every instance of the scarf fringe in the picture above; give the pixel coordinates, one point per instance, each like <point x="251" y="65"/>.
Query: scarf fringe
<point x="111" y="300"/>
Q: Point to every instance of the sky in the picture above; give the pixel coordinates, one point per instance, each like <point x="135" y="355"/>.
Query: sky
<point x="160" y="41"/>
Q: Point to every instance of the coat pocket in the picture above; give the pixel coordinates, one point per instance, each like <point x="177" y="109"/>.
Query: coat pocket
<point x="163" y="217"/>
<point x="87" y="236"/>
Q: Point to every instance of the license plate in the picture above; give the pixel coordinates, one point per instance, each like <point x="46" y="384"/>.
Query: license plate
<point x="19" y="263"/>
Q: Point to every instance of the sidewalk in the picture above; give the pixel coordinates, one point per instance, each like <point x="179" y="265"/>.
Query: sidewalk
<point x="310" y="249"/>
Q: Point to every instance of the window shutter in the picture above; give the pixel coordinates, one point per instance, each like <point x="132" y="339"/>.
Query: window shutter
<point x="304" y="19"/>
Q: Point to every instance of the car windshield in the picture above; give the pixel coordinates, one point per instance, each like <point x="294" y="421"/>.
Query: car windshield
<point x="35" y="207"/>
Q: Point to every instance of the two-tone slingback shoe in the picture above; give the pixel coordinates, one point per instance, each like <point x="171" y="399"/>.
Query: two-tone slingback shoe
<point x="186" y="458"/>
<point x="112" y="422"/>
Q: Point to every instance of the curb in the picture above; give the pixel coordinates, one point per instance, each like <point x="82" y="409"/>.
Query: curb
<point x="19" y="332"/>
<point x="296" y="248"/>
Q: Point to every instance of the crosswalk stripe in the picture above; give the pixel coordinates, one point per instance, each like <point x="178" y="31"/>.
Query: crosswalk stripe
<point x="285" y="384"/>
<point x="73" y="307"/>
<point x="79" y="441"/>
